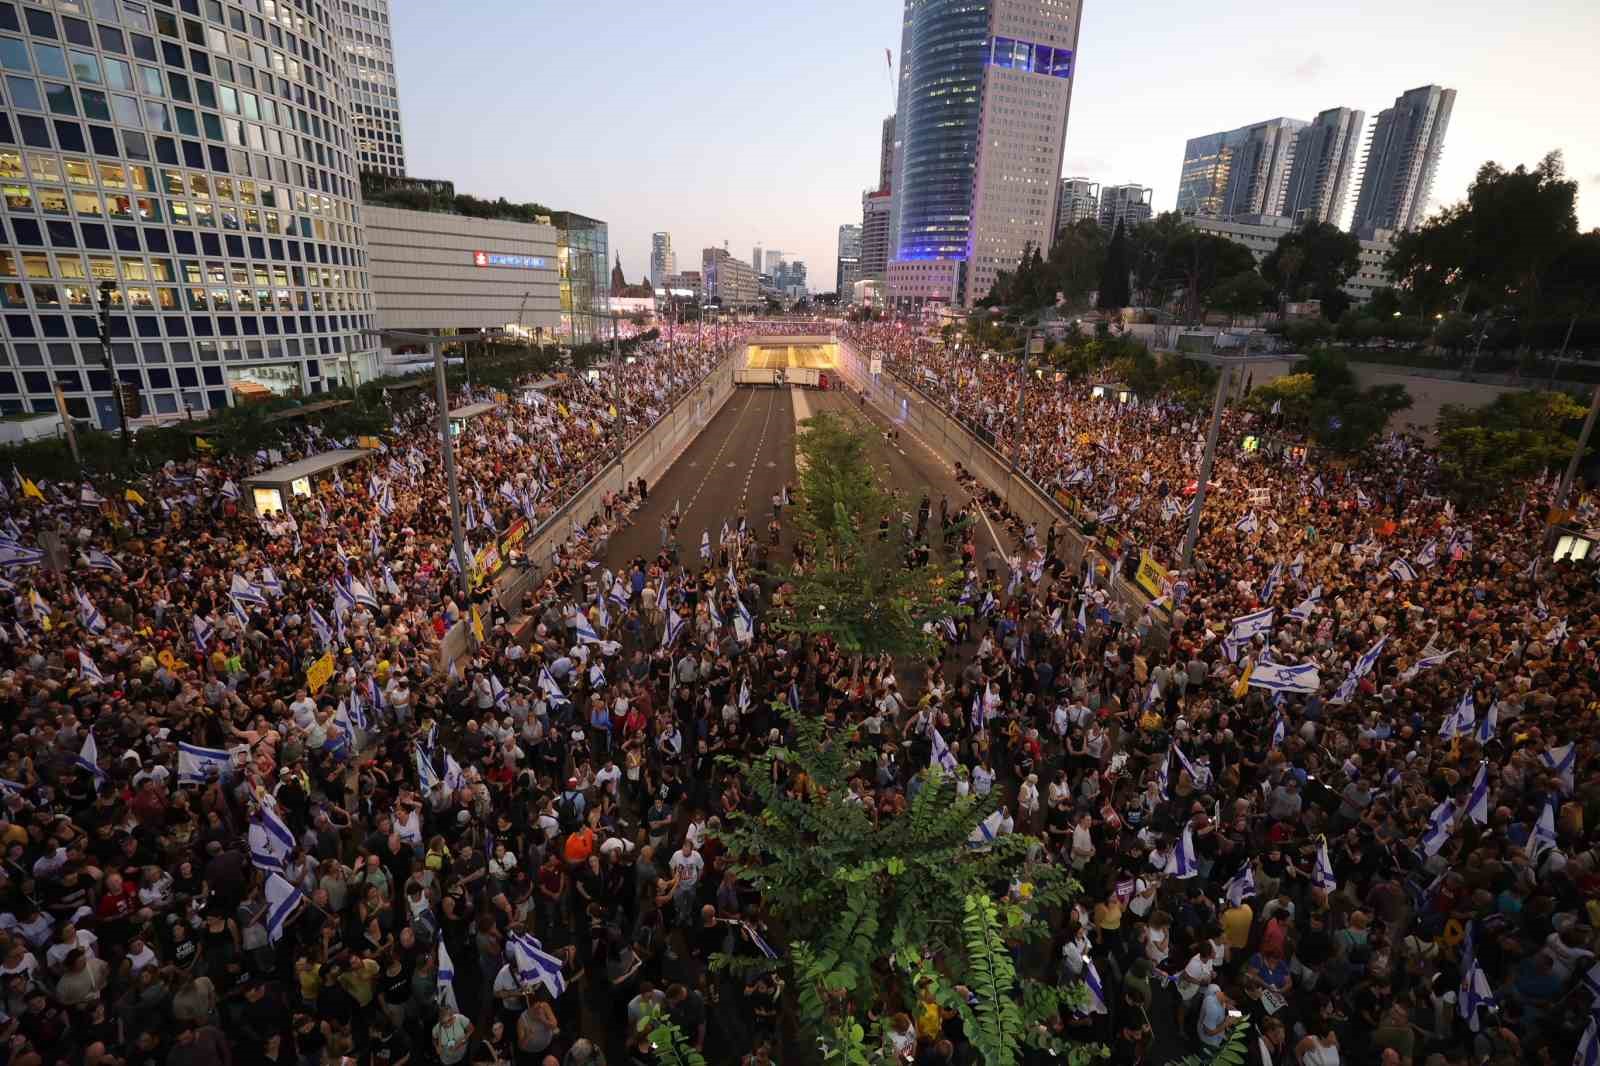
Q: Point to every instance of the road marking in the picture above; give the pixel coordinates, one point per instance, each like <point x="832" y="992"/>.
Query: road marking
<point x="755" y="455"/>
<point x="712" y="465"/>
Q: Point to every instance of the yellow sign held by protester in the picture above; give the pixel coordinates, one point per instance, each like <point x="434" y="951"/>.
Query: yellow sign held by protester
<point x="320" y="672"/>
<point x="368" y="442"/>
<point x="477" y="625"/>
<point x="30" y="489"/>
<point x="131" y="496"/>
<point x="1153" y="577"/>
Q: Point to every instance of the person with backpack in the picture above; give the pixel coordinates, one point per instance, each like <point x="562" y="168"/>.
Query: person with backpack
<point x="570" y="807"/>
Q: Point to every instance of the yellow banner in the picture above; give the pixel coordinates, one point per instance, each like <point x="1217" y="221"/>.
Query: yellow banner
<point x="133" y="497"/>
<point x="320" y="672"/>
<point x="368" y="442"/>
<point x="477" y="625"/>
<point x="30" y="489"/>
<point x="1152" y="576"/>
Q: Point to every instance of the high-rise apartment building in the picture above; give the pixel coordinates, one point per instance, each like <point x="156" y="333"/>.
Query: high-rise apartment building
<point x="367" y="47"/>
<point x="773" y="260"/>
<point x="663" y="260"/>
<point x="1402" y="155"/>
<point x="848" y="271"/>
<point x="1127" y="204"/>
<point x="1078" y="199"/>
<point x="886" y="155"/>
<point x="1324" y="156"/>
<point x="876" y="209"/>
<point x="726" y="279"/>
<point x="985" y="89"/>
<point x="216" y="189"/>
<point x="1239" y="172"/>
<point x="755" y="259"/>
<point x="790" y="279"/>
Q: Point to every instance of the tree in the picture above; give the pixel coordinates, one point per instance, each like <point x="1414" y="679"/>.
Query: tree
<point x="883" y="907"/>
<point x="1114" y="291"/>
<point x="1078" y="259"/>
<point x="1242" y="294"/>
<point x="1151" y="255"/>
<point x="1484" y="451"/>
<point x="857" y="588"/>
<point x="1323" y="400"/>
<point x="1313" y="262"/>
<point x="1199" y="261"/>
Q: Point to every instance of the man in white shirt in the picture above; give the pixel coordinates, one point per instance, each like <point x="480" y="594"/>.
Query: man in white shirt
<point x="608" y="776"/>
<point x="686" y="865"/>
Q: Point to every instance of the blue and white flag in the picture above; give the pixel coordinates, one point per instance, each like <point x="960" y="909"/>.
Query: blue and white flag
<point x="90" y="673"/>
<point x="597" y="677"/>
<point x="1478" y="798"/>
<point x="1543" y="836"/>
<point x="499" y="692"/>
<point x="1298" y="565"/>
<point x="1271" y="587"/>
<point x="1280" y="729"/>
<point x="197" y="765"/>
<point x="427" y="776"/>
<point x="1247" y="626"/>
<point x="245" y="592"/>
<point x="1242" y="885"/>
<point x="1097" y="992"/>
<point x="283" y="903"/>
<point x="269" y="583"/>
<point x="744" y="695"/>
<point x="705" y="545"/>
<point x="363" y="595"/>
<point x="942" y="756"/>
<point x="1429" y="554"/>
<point x="1301" y="680"/>
<point x="585" y="631"/>
<point x="1401" y="570"/>
<point x="99" y="560"/>
<point x="675" y="625"/>
<point x="454" y="778"/>
<point x="1475" y="991"/>
<point x="1441" y="823"/>
<point x="1488" y="723"/>
<point x="324" y="630"/>
<point x="16" y="555"/>
<point x="271" y="842"/>
<point x="1362" y="668"/>
<point x="88" y="614"/>
<point x="547" y="685"/>
<point x="1560" y="761"/>
<point x="1322" y="871"/>
<point x="619" y="595"/>
<point x="1426" y="662"/>
<point x="1164" y="775"/>
<point x="1181" y="862"/>
<point x="1199" y="773"/>
<point x="1302" y="610"/>
<point x="1589" y="1046"/>
<point x="987" y="832"/>
<point x="204" y="632"/>
<point x="1465" y="714"/>
<point x="533" y="965"/>
<point x="445" y="979"/>
<point x="230" y="491"/>
<point x="759" y="941"/>
<point x="1317" y="487"/>
<point x="88" y="757"/>
<point x="1247" y="524"/>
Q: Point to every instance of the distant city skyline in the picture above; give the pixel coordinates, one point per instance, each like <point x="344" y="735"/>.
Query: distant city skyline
<point x="641" y="151"/>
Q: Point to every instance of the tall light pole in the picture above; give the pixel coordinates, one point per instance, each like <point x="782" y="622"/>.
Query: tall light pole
<point x="1577" y="455"/>
<point x="1199" y="503"/>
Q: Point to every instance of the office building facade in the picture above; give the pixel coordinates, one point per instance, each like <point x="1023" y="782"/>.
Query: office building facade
<point x="203" y="165"/>
<point x="848" y="270"/>
<point x="769" y="267"/>
<point x="1261" y="234"/>
<point x="1324" y="158"/>
<point x="583" y="265"/>
<point x="663" y="260"/>
<point x="1078" y="199"/>
<point x="985" y="91"/>
<point x="877" y="207"/>
<point x="1239" y="172"/>
<point x="886" y="155"/>
<point x="1127" y="204"/>
<point x="367" y="44"/>
<point x="1402" y="156"/>
<point x="790" y="279"/>
<point x="729" y="281"/>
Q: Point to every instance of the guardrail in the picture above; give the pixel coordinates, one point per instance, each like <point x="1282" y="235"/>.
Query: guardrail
<point x="906" y="403"/>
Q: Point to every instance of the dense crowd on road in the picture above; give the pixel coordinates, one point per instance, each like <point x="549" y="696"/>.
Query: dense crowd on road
<point x="217" y="854"/>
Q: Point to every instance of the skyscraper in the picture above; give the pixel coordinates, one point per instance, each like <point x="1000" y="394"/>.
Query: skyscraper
<point x="1128" y="204"/>
<point x="755" y="259"/>
<point x="1402" y="154"/>
<point x="770" y="266"/>
<point x="985" y="89"/>
<point x="849" y="268"/>
<point x="1079" y="199"/>
<point x="876" y="207"/>
<point x="886" y="155"/>
<point x="1324" y="155"/>
<point x="1239" y="172"/>
<point x="176" y="222"/>
<point x="726" y="279"/>
<point x="663" y="260"/>
<point x="367" y="46"/>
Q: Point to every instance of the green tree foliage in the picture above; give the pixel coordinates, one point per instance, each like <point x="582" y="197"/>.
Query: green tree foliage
<point x="880" y="908"/>
<point x="1242" y="294"/>
<point x="1078" y="258"/>
<point x="1323" y="400"/>
<point x="1313" y="262"/>
<point x="857" y="589"/>
<point x="1115" y="292"/>
<point x="1198" y="262"/>
<point x="1153" y="273"/>
<point x="1484" y="450"/>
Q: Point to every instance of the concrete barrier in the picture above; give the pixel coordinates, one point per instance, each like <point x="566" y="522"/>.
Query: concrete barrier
<point x="648" y="457"/>
<point x="901" y="401"/>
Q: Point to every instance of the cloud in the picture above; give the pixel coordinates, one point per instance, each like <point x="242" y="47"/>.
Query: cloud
<point x="1310" y="68"/>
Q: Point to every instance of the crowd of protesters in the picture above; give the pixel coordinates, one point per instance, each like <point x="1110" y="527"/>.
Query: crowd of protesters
<point x="215" y="854"/>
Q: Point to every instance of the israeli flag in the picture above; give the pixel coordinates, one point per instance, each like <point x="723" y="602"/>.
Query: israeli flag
<point x="1317" y="486"/>
<point x="204" y="631"/>
<point x="1164" y="775"/>
<point x="1097" y="992"/>
<point x="987" y="832"/>
<point x="1180" y="863"/>
<point x="1441" y="823"/>
<point x="705" y="545"/>
<point x="230" y="490"/>
<point x="1429" y="554"/>
<point x="1559" y="761"/>
<point x="1589" y="1047"/>
<point x="1543" y="836"/>
<point x="245" y="592"/>
<point x="980" y="713"/>
<point x="1478" y="798"/>
<point x="271" y="842"/>
<point x="1402" y="570"/>
<point x="1465" y="714"/>
<point x="712" y="613"/>
<point x="99" y="560"/>
<point x="16" y="555"/>
<point x="1298" y="566"/>
<point x="585" y="631"/>
<point x="619" y="595"/>
<point x="363" y="595"/>
<point x="1271" y="587"/>
<point x="1081" y="623"/>
<point x="1322" y="871"/>
<point x="1279" y="731"/>
<point x="674" y="626"/>
<point x="90" y="673"/>
<point x="1301" y="680"/>
<point x="1200" y="775"/>
<point x="324" y="630"/>
<point x="1242" y="885"/>
<point x="597" y="677"/>
<point x="1247" y="524"/>
<point x="942" y="756"/>
<point x="661" y="595"/>
<point x="1475" y="991"/>
<point x="1427" y="662"/>
<point x="88" y="614"/>
<point x="744" y="695"/>
<point x="197" y="765"/>
<point x="427" y="776"/>
<point x="548" y="686"/>
<point x="1302" y="610"/>
<point x="499" y="692"/>
<point x="283" y="902"/>
<point x="343" y="596"/>
<point x="454" y="777"/>
<point x="446" y="978"/>
<point x="988" y="604"/>
<point x="269" y="582"/>
<point x="533" y="965"/>
<point x="756" y="938"/>
<point x="1247" y="626"/>
<point x="1487" y="725"/>
<point x="390" y="586"/>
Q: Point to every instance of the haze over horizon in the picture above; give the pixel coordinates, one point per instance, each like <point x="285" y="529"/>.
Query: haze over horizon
<point x="757" y="125"/>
